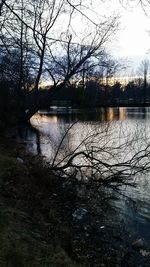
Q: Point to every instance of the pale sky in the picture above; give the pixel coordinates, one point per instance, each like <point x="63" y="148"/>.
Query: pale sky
<point x="133" y="40"/>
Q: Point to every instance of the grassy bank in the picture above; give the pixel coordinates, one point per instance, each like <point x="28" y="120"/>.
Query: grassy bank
<point x="27" y="216"/>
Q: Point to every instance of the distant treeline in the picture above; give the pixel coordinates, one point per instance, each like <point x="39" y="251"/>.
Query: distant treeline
<point x="94" y="93"/>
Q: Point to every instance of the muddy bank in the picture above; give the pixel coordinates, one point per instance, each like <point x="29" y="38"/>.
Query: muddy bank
<point x="46" y="221"/>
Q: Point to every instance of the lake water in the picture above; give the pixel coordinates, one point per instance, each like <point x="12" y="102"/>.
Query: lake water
<point x="117" y="126"/>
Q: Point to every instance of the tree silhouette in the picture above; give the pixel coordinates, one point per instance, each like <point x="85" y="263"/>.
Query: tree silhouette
<point x="48" y="48"/>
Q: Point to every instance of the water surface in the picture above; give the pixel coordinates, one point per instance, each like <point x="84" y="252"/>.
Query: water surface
<point x="48" y="128"/>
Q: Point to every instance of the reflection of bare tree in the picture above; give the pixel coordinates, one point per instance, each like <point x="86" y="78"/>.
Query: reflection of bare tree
<point x="109" y="155"/>
<point x="38" y="143"/>
<point x="137" y="113"/>
<point x="26" y="131"/>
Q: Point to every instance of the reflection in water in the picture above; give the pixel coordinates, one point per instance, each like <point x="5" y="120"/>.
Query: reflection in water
<point x="138" y="113"/>
<point x="45" y="118"/>
<point x="38" y="143"/>
<point x="122" y="114"/>
<point x="112" y="114"/>
<point x="101" y="115"/>
<point x="48" y="130"/>
<point x="30" y="136"/>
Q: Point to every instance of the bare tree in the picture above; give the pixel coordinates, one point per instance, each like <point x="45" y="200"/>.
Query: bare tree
<point x="143" y="71"/>
<point x="108" y="155"/>
<point x="130" y="4"/>
<point x="41" y="37"/>
<point x="1" y="5"/>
